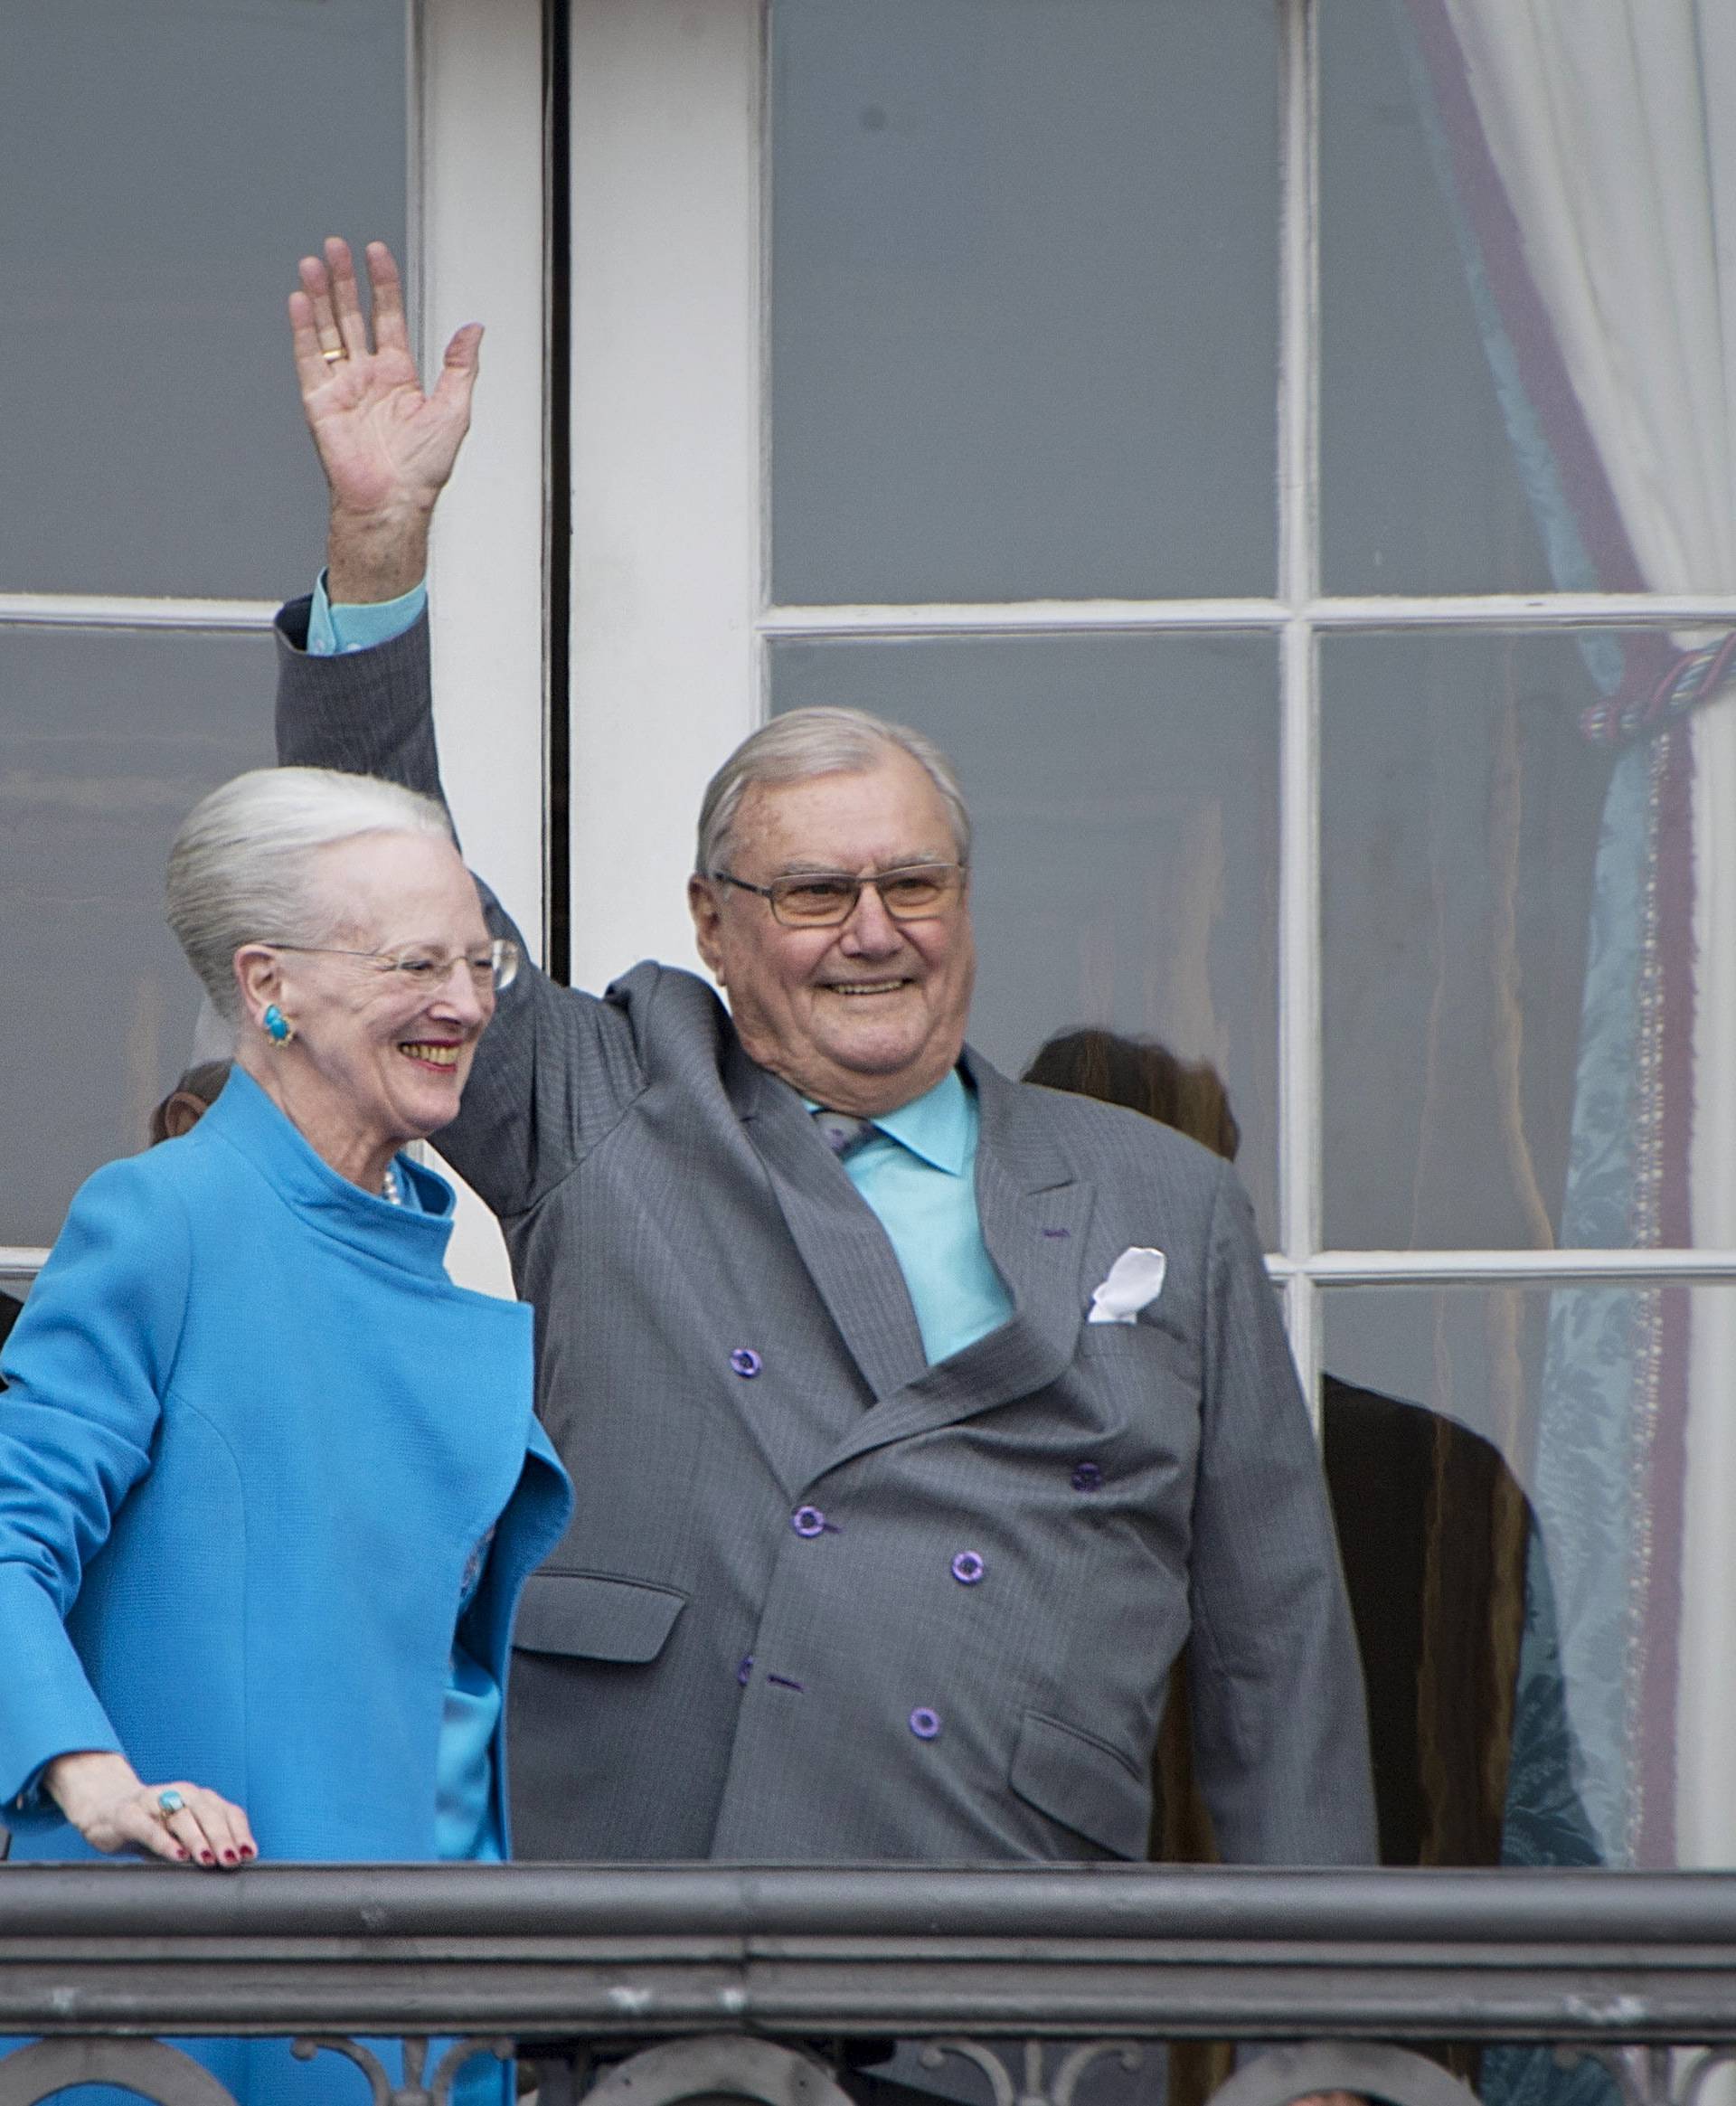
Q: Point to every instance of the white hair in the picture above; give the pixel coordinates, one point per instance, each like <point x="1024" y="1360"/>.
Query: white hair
<point x="242" y="866"/>
<point x="822" y="740"/>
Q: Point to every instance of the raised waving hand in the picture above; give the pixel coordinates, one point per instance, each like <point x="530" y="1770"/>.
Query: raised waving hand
<point x="386" y="447"/>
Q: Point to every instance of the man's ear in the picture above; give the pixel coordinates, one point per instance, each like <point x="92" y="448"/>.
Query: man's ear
<point x="702" y="904"/>
<point x="258" y="974"/>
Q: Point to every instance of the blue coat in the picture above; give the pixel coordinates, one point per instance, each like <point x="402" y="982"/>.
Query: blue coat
<point x="252" y="1435"/>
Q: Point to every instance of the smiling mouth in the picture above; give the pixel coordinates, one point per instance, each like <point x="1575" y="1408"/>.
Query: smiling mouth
<point x="856" y="989"/>
<point x="430" y="1054"/>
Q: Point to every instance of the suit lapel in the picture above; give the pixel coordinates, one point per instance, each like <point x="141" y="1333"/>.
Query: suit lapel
<point x="835" y="1231"/>
<point x="1033" y="1213"/>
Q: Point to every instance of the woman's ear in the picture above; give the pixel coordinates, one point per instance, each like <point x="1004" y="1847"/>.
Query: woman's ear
<point x="259" y="975"/>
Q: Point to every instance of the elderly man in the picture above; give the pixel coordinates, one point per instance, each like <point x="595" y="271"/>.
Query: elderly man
<point x="916" y="1416"/>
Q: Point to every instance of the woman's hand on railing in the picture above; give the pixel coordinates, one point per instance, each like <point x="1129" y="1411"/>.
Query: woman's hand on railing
<point x="102" y="1796"/>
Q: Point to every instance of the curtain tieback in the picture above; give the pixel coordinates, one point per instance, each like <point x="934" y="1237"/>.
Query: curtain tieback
<point x="1689" y="679"/>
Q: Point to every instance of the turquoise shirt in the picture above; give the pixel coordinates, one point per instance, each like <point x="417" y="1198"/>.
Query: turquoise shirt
<point x="334" y="630"/>
<point x="918" y="1171"/>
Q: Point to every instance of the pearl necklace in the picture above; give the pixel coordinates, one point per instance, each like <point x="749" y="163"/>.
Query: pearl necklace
<point x="390" y="1190"/>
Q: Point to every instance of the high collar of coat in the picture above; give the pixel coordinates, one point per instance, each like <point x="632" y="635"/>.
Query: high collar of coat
<point x="246" y="1120"/>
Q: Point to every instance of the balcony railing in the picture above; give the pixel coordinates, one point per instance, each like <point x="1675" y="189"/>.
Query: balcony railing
<point x="716" y="1981"/>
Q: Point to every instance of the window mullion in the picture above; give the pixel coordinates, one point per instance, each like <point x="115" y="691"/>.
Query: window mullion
<point x="89" y="611"/>
<point x="1298" y="507"/>
<point x="1515" y="613"/>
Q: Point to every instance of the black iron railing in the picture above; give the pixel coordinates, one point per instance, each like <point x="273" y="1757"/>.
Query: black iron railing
<point x="716" y="1980"/>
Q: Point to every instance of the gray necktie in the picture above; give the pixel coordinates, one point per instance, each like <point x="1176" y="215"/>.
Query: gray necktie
<point x="844" y="1132"/>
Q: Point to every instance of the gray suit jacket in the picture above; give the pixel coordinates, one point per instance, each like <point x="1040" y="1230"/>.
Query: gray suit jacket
<point x="754" y="1642"/>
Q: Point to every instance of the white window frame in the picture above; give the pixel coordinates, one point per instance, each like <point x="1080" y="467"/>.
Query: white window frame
<point x="476" y="234"/>
<point x="672" y="623"/>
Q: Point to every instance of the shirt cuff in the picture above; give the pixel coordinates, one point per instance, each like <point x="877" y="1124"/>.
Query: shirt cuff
<point x="334" y="630"/>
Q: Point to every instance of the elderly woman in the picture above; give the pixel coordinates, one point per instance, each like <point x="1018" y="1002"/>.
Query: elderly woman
<point x="270" y="1482"/>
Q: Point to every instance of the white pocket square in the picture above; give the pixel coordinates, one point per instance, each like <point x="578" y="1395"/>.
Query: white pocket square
<point x="1135" y="1281"/>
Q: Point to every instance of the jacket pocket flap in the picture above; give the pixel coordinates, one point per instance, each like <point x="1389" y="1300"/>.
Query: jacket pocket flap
<point x="594" y="1617"/>
<point x="1083" y="1784"/>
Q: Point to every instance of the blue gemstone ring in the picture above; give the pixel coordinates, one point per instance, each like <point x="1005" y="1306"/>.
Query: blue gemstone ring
<point x="169" y="1801"/>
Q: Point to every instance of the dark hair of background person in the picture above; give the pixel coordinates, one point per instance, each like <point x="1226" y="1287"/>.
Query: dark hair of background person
<point x="187" y="1103"/>
<point x="1146" y="1076"/>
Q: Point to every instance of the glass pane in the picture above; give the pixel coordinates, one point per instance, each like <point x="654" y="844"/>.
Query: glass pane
<point x="1124" y="792"/>
<point x="1024" y="276"/>
<point x="1534" y="1487"/>
<point x="1420" y="489"/>
<point x="165" y="163"/>
<point x="106" y="742"/>
<point x="1462" y="808"/>
<point x="1526" y="284"/>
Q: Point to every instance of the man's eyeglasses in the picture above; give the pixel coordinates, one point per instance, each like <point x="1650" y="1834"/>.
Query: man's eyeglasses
<point x="822" y="899"/>
<point x="492" y="966"/>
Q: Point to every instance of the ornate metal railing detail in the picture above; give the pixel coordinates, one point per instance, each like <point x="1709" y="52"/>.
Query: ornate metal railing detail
<point x="412" y="2091"/>
<point x="1035" y="2090"/>
<point x="654" y="1985"/>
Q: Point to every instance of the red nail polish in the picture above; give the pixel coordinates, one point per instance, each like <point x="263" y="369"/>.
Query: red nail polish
<point x="229" y="1857"/>
<point x="205" y="1857"/>
<point x="181" y="1854"/>
<point x="248" y="1851"/>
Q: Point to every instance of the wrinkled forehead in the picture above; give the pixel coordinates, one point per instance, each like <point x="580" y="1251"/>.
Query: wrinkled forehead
<point x="848" y="819"/>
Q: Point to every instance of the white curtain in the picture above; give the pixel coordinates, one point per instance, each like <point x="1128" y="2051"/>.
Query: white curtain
<point x="1612" y="125"/>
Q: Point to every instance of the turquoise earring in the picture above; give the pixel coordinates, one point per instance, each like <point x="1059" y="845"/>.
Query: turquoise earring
<point x="278" y="1027"/>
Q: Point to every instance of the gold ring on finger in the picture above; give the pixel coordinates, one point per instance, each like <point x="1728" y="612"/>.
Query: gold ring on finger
<point x="335" y="357"/>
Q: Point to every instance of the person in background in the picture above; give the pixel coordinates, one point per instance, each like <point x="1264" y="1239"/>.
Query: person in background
<point x="1145" y="1076"/>
<point x="270" y="1484"/>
